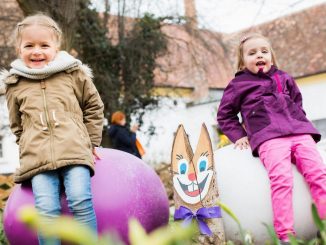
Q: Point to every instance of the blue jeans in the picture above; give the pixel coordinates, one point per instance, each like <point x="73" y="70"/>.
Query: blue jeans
<point x="76" y="180"/>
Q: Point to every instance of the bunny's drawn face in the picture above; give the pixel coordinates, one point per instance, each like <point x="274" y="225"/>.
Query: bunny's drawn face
<point x="192" y="173"/>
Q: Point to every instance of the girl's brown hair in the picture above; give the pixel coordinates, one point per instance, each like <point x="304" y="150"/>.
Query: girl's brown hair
<point x="37" y="19"/>
<point x="117" y="117"/>
<point x="240" y="63"/>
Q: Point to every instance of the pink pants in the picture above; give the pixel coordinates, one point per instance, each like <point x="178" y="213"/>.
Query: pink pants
<point x="276" y="155"/>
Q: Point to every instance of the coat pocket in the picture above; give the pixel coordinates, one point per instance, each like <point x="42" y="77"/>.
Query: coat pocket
<point x="295" y="111"/>
<point x="257" y="119"/>
<point x="83" y="132"/>
<point x="22" y="140"/>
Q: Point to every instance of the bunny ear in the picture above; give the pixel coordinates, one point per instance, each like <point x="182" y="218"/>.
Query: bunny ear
<point x="203" y="162"/>
<point x="181" y="166"/>
<point x="204" y="146"/>
<point x="181" y="147"/>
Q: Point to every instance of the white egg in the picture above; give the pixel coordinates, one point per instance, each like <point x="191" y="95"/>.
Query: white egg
<point x="244" y="187"/>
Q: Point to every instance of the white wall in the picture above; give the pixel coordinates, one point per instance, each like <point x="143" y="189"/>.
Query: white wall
<point x="314" y="99"/>
<point x="10" y="160"/>
<point x="167" y="119"/>
<point x="158" y="148"/>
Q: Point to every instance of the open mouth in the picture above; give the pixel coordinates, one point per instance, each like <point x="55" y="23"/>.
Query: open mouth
<point x="260" y="63"/>
<point x="36" y="61"/>
<point x="193" y="189"/>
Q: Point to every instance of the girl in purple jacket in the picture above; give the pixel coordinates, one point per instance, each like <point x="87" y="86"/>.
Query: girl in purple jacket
<point x="275" y="126"/>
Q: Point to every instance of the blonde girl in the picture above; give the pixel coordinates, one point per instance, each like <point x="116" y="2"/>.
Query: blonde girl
<point x="56" y="114"/>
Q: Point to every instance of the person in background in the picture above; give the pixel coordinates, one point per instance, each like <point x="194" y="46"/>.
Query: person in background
<point x="275" y="126"/>
<point x="123" y="138"/>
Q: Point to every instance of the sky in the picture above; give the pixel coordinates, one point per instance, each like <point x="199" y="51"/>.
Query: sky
<point x="219" y="15"/>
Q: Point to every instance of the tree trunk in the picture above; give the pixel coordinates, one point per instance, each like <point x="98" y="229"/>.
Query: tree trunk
<point x="62" y="11"/>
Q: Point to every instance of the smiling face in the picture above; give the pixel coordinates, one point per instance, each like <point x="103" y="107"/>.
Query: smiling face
<point x="257" y="55"/>
<point x="192" y="178"/>
<point x="192" y="173"/>
<point x="38" y="46"/>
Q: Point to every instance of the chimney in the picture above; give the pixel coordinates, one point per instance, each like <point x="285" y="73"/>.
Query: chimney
<point x="191" y="13"/>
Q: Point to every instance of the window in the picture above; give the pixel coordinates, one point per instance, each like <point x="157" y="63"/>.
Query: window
<point x="320" y="124"/>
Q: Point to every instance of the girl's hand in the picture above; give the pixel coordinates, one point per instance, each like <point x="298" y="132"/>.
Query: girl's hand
<point x="97" y="157"/>
<point x="242" y="143"/>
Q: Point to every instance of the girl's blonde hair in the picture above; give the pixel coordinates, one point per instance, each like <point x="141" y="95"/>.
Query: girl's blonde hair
<point x="37" y="19"/>
<point x="240" y="63"/>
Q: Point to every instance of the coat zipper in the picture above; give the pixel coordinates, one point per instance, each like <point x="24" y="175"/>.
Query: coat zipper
<point x="47" y="119"/>
<point x="278" y="82"/>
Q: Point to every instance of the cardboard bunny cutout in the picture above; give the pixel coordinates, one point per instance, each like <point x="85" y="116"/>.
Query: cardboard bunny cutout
<point x="194" y="184"/>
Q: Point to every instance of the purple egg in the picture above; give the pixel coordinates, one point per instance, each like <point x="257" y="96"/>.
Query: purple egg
<point x="123" y="187"/>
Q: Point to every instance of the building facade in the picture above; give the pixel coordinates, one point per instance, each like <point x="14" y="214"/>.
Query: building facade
<point x="197" y="67"/>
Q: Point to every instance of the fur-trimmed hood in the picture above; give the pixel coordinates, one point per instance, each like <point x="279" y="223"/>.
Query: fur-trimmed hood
<point x="63" y="62"/>
<point x="4" y="78"/>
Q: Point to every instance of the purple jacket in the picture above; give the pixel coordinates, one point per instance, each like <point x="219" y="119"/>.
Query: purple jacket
<point x="270" y="105"/>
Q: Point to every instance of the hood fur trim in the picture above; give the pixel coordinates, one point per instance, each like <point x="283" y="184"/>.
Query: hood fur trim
<point x="2" y="89"/>
<point x="84" y="68"/>
<point x="7" y="78"/>
<point x="4" y="75"/>
<point x="87" y="70"/>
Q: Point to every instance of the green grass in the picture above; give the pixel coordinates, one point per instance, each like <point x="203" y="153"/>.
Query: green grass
<point x="3" y="239"/>
<point x="175" y="239"/>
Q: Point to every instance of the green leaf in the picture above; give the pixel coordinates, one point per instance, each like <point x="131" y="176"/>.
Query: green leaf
<point x="228" y="211"/>
<point x="63" y="227"/>
<point x="293" y="240"/>
<point x="172" y="234"/>
<point x="312" y="242"/>
<point x="137" y="233"/>
<point x="246" y="237"/>
<point x="272" y="234"/>
<point x="319" y="223"/>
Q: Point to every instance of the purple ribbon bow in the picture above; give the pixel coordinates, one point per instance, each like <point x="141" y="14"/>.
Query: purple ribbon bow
<point x="187" y="215"/>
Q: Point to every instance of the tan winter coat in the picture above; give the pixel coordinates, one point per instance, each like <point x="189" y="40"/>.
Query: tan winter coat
<point x="56" y="120"/>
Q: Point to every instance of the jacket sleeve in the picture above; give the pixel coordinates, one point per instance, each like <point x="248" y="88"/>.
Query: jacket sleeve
<point x="227" y="115"/>
<point x="295" y="93"/>
<point x="92" y="107"/>
<point x="14" y="113"/>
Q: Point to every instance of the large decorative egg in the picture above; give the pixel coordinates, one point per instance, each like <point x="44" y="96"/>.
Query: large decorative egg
<point x="244" y="187"/>
<point x="123" y="187"/>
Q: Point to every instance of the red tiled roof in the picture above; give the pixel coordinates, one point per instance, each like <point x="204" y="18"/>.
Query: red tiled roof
<point x="194" y="59"/>
<point x="299" y="41"/>
<point x="208" y="59"/>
